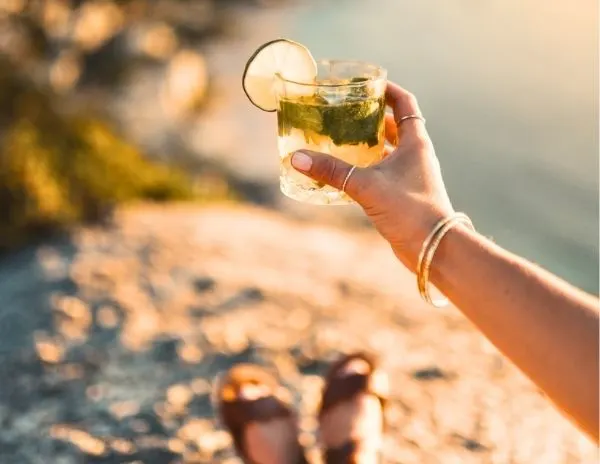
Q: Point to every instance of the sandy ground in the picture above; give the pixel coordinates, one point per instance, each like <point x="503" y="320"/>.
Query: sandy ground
<point x="109" y="342"/>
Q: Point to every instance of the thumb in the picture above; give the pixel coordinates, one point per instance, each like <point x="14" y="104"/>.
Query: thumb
<point x="328" y="170"/>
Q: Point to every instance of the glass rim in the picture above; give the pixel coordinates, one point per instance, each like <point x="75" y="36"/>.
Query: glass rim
<point x="381" y="74"/>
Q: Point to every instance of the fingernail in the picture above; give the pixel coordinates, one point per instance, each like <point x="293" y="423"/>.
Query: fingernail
<point x="301" y="161"/>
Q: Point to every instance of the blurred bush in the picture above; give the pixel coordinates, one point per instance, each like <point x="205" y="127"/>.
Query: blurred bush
<point x="57" y="170"/>
<point x="60" y="59"/>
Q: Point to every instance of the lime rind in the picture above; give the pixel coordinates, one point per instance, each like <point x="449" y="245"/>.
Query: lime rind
<point x="260" y="84"/>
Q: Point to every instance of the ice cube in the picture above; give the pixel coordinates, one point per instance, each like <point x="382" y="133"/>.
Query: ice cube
<point x="333" y="95"/>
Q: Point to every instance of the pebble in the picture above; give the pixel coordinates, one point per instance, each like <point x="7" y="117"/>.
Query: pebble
<point x="194" y="428"/>
<point x="49" y="351"/>
<point x="179" y="395"/>
<point x="124" y="409"/>
<point x="104" y="383"/>
<point x="213" y="441"/>
<point x="107" y="317"/>
<point x="190" y="353"/>
<point x="96" y="22"/>
<point x="122" y="446"/>
<point x="186" y="82"/>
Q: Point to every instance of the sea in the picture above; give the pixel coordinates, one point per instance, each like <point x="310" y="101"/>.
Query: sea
<point x="509" y="89"/>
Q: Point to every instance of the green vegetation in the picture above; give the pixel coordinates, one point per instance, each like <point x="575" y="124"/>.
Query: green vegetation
<point x="347" y="123"/>
<point x="58" y="170"/>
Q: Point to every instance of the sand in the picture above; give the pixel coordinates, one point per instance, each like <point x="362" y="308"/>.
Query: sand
<point x="110" y="341"/>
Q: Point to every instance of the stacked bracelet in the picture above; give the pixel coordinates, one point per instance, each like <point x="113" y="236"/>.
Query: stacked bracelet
<point x="430" y="246"/>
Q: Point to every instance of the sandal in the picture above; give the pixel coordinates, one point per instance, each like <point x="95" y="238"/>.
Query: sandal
<point x="340" y="387"/>
<point x="237" y="413"/>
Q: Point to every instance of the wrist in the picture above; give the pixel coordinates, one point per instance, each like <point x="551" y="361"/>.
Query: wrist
<point x="408" y="250"/>
<point x="428" y="251"/>
<point x="449" y="251"/>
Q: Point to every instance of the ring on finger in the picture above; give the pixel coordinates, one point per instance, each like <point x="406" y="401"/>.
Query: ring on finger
<point x="411" y="116"/>
<point x="350" y="172"/>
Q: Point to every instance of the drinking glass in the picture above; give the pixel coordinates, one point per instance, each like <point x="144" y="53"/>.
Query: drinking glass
<point x="341" y="113"/>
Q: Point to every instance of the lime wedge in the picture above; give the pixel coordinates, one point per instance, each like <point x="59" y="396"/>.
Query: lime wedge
<point x="287" y="58"/>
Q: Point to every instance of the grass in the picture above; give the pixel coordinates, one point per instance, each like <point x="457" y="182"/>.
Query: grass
<point x="58" y="170"/>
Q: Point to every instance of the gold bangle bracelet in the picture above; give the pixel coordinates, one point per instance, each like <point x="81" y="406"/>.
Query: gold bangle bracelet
<point x="441" y="223"/>
<point x="430" y="246"/>
<point x="426" y="245"/>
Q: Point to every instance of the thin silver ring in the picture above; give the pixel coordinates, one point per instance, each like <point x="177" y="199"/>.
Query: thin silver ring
<point x="411" y="116"/>
<point x="350" y="172"/>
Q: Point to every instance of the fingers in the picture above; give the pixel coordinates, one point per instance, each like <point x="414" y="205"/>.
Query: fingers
<point x="403" y="103"/>
<point x="328" y="170"/>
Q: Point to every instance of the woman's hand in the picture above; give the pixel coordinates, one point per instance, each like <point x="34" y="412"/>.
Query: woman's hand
<point x="403" y="195"/>
<point x="545" y="326"/>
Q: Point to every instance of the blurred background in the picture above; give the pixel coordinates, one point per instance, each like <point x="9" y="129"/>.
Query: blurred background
<point x="109" y="333"/>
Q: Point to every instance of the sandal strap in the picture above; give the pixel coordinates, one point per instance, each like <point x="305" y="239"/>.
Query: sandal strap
<point x="236" y="414"/>
<point x="345" y="454"/>
<point x="343" y="388"/>
<point x="339" y="389"/>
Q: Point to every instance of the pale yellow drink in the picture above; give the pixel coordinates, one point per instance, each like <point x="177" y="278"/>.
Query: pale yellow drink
<point x="341" y="113"/>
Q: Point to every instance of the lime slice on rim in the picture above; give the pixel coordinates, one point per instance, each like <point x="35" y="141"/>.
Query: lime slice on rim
<point x="285" y="57"/>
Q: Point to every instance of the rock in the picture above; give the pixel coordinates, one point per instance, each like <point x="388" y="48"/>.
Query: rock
<point x="124" y="409"/>
<point x="200" y="386"/>
<point x="85" y="442"/>
<point x="107" y="317"/>
<point x="185" y="84"/>
<point x="49" y="350"/>
<point x="179" y="395"/>
<point x="96" y="22"/>
<point x="213" y="441"/>
<point x="74" y="317"/>
<point x="204" y="284"/>
<point x="156" y="40"/>
<point x="474" y="445"/>
<point x="194" y="428"/>
<point x="253" y="293"/>
<point x="190" y="354"/>
<point x="429" y="373"/>
<point x="56" y="18"/>
<point x="176" y="446"/>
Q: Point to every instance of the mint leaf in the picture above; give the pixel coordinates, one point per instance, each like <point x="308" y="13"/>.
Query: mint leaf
<point x="349" y="122"/>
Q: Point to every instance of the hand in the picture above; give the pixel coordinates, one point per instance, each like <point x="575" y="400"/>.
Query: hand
<point x="403" y="195"/>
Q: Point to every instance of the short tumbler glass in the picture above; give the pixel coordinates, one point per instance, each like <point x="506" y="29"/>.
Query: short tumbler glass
<point x="341" y="113"/>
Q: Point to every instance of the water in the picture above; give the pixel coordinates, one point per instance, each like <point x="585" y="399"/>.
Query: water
<point x="509" y="89"/>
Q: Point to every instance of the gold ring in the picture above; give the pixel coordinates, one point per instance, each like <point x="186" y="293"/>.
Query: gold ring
<point x="350" y="172"/>
<point x="411" y="116"/>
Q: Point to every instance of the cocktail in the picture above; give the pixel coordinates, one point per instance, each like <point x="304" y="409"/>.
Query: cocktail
<point x="331" y="106"/>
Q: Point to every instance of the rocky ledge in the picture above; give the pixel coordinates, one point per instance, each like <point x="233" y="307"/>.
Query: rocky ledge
<point x="110" y="340"/>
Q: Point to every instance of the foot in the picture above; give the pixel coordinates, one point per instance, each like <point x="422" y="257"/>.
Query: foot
<point x="274" y="441"/>
<point x="255" y="409"/>
<point x="351" y="419"/>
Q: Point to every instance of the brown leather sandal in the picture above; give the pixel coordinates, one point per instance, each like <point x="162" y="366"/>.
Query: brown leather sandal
<point x="235" y="414"/>
<point x="339" y="388"/>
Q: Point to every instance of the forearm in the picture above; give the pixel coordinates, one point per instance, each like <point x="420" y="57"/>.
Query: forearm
<point x="546" y="327"/>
